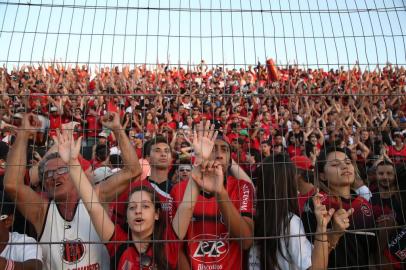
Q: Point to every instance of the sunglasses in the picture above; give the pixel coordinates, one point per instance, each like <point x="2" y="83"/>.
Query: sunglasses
<point x="59" y="171"/>
<point x="184" y="170"/>
<point x="145" y="260"/>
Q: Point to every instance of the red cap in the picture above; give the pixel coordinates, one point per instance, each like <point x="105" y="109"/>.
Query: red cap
<point x="302" y="162"/>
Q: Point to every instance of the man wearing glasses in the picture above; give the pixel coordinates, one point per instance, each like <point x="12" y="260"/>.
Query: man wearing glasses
<point x="62" y="223"/>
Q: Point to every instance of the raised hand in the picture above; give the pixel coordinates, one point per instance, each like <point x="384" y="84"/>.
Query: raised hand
<point x="203" y="140"/>
<point x="68" y="148"/>
<point x="323" y="216"/>
<point x="209" y="177"/>
<point x="30" y="124"/>
<point x="111" y="120"/>
<point x="70" y="126"/>
<point x="341" y="219"/>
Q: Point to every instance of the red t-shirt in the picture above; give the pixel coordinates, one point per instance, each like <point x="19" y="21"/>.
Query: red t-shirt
<point x="55" y="122"/>
<point x="211" y="248"/>
<point x="302" y="199"/>
<point x="398" y="156"/>
<point x="93" y="126"/>
<point x="130" y="258"/>
<point x="117" y="208"/>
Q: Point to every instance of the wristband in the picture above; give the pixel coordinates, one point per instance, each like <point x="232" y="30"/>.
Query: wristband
<point x="315" y="239"/>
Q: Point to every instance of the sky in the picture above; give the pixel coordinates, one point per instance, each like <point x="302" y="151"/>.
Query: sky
<point x="233" y="33"/>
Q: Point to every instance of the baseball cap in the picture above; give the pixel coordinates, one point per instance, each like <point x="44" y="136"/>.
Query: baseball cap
<point x="244" y="132"/>
<point x="101" y="174"/>
<point x="302" y="163"/>
<point x="103" y="134"/>
<point x="53" y="109"/>
<point x="304" y="167"/>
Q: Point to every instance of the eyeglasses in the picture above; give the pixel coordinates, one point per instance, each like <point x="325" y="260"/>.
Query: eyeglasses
<point x="59" y="171"/>
<point x="145" y="260"/>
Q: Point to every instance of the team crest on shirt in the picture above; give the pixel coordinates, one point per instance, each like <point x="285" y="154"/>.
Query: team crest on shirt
<point x="366" y="210"/>
<point x="210" y="248"/>
<point x="72" y="251"/>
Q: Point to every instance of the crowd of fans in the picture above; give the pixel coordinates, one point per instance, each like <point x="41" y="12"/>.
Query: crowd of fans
<point x="257" y="168"/>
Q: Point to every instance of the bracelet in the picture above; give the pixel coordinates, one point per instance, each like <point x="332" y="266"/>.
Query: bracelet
<point x="315" y="239"/>
<point x="9" y="265"/>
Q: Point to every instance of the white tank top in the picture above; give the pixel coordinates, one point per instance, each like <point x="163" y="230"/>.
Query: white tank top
<point x="64" y="242"/>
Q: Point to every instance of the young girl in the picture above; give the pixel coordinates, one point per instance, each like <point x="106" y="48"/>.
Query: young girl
<point x="135" y="249"/>
<point x="282" y="243"/>
<point x="353" y="247"/>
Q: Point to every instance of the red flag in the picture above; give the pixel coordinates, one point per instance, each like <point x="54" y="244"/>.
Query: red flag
<point x="273" y="73"/>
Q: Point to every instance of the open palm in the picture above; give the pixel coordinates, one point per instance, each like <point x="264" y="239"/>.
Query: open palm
<point x="203" y="140"/>
<point x="68" y="148"/>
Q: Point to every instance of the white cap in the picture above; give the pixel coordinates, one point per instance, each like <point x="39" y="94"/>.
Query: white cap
<point x="115" y="151"/>
<point x="103" y="134"/>
<point x="101" y="174"/>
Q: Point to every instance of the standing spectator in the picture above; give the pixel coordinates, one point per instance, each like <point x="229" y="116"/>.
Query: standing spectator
<point x="17" y="251"/>
<point x="397" y="152"/>
<point x="142" y="219"/>
<point x="336" y="175"/>
<point x="266" y="149"/>
<point x="282" y="243"/>
<point x="57" y="220"/>
<point x="223" y="210"/>
<point x="386" y="202"/>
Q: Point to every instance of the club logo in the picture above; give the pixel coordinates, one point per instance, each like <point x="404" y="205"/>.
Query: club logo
<point x="72" y="251"/>
<point x="366" y="210"/>
<point x="210" y="248"/>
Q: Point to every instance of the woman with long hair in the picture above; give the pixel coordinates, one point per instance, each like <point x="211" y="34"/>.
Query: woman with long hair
<point x="281" y="242"/>
<point x="353" y="246"/>
<point x="141" y="245"/>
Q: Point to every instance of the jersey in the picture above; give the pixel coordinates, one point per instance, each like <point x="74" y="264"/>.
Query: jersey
<point x="118" y="211"/>
<point x="129" y="257"/>
<point x="64" y="242"/>
<point x="398" y="156"/>
<point x="210" y="248"/>
<point x="20" y="253"/>
<point x="396" y="250"/>
<point x="387" y="206"/>
<point x="354" y="247"/>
